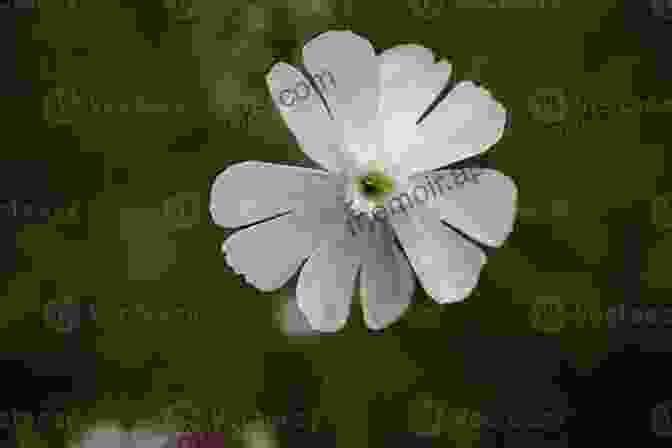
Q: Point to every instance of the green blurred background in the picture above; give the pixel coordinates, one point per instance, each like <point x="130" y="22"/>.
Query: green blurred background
<point x="587" y="235"/>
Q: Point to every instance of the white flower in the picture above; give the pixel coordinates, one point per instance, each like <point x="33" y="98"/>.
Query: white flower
<point x="114" y="436"/>
<point x="368" y="140"/>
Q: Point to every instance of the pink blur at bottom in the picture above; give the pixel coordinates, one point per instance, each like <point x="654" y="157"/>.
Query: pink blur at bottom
<point x="200" y="440"/>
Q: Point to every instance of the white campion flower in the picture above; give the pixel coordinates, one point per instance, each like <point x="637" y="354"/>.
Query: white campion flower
<point x="111" y="435"/>
<point x="367" y="139"/>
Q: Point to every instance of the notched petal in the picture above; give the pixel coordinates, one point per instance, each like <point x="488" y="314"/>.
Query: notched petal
<point x="305" y="114"/>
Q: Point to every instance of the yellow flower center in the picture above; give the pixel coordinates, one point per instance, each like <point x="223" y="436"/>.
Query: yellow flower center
<point x="374" y="185"/>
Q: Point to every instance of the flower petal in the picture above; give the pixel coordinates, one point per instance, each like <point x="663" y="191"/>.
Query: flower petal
<point x="447" y="265"/>
<point x="102" y="437"/>
<point x="483" y="207"/>
<point x="268" y="254"/>
<point x="325" y="287"/>
<point x="352" y="62"/>
<point x="466" y="123"/>
<point x="319" y="137"/>
<point x="251" y="191"/>
<point x="410" y="81"/>
<point x="387" y="281"/>
<point x="151" y="439"/>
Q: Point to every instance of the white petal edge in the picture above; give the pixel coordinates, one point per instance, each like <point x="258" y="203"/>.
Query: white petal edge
<point x="251" y="191"/>
<point x="269" y="253"/>
<point x="326" y="284"/>
<point x="447" y="265"/>
<point x="352" y="62"/>
<point x="410" y="82"/>
<point x="481" y="202"/>
<point x="387" y="281"/>
<point x="302" y="109"/>
<point x="467" y="122"/>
